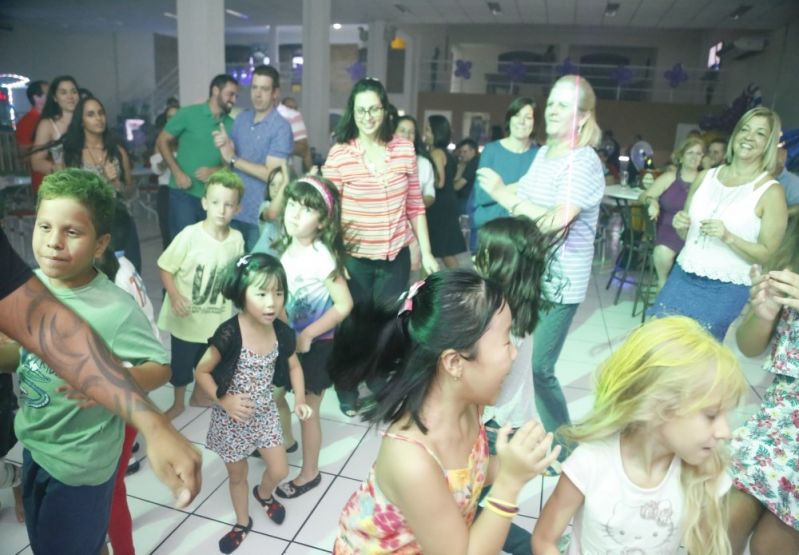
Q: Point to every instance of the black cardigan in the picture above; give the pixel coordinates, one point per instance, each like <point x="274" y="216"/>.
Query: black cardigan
<point x="227" y="340"/>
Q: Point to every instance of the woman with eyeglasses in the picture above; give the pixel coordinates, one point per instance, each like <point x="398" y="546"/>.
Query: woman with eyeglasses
<point x="381" y="202"/>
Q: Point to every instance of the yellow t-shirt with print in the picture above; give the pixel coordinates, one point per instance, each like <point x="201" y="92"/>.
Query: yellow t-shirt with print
<point x="197" y="262"/>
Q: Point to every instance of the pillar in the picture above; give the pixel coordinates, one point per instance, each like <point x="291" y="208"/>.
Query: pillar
<point x="316" y="72"/>
<point x="201" y="47"/>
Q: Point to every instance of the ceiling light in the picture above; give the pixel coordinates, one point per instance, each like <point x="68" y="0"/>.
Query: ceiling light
<point x="494" y="8"/>
<point x="611" y="9"/>
<point x="337" y="26"/>
<point x="740" y="11"/>
<point x="170" y="15"/>
<point x="234" y="13"/>
<point x="402" y="8"/>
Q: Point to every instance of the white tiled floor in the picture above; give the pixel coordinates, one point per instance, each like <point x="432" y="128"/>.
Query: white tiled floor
<point x="349" y="449"/>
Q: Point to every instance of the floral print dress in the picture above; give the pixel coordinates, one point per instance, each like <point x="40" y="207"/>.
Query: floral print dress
<point x="766" y="449"/>
<point x="371" y="524"/>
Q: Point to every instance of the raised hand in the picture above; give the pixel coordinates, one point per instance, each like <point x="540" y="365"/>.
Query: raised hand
<point x="527" y="454"/>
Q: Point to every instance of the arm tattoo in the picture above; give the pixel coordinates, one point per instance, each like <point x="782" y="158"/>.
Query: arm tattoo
<point x="71" y="348"/>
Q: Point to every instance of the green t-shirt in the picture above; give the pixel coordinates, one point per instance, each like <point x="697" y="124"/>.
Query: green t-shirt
<point x="193" y="126"/>
<point x="81" y="447"/>
<point x="197" y="262"/>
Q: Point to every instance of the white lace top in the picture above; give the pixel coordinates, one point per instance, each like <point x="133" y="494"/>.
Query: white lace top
<point x="735" y="206"/>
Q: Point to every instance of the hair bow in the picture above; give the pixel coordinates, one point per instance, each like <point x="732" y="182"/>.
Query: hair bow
<point x="407" y="306"/>
<point x="243" y="261"/>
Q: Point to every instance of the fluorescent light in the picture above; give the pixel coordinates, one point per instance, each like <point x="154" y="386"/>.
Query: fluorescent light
<point x="402" y="8"/>
<point x="337" y="26"/>
<point x="171" y="15"/>
<point x="611" y="9"/>
<point x="234" y="13"/>
<point x="494" y="8"/>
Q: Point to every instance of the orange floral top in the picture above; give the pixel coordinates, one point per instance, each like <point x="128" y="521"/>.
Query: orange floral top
<point x="371" y="524"/>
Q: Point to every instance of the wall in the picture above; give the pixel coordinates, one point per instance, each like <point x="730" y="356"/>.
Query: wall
<point x="116" y="67"/>
<point x="774" y="70"/>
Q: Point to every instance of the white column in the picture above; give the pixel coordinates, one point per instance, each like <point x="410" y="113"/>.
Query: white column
<point x="201" y="47"/>
<point x="377" y="51"/>
<point x="316" y="72"/>
<point x="273" y="45"/>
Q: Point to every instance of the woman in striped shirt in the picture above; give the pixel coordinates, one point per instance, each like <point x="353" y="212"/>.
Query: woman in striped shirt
<point x="381" y="202"/>
<point x="562" y="188"/>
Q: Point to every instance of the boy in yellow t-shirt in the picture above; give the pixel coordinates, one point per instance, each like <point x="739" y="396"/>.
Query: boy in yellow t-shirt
<point x="191" y="271"/>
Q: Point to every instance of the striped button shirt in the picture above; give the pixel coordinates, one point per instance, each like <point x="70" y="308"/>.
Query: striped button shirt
<point x="376" y="207"/>
<point x="577" y="179"/>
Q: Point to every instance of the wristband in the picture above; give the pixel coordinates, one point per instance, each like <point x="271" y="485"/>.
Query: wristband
<point x="494" y="510"/>
<point x="232" y="162"/>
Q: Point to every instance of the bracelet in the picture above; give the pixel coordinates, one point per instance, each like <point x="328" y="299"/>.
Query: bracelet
<point x="502" y="506"/>
<point x="494" y="510"/>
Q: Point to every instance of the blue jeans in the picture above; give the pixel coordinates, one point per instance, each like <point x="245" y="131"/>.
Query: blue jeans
<point x="250" y="232"/>
<point x="548" y="338"/>
<point x="184" y="210"/>
<point x="62" y="519"/>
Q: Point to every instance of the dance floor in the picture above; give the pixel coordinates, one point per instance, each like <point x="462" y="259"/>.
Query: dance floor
<point x="349" y="447"/>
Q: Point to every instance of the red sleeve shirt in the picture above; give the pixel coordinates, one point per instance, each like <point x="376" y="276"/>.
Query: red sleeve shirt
<point x="376" y="207"/>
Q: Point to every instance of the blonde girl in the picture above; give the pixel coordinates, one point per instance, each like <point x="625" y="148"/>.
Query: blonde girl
<point x="313" y="253"/>
<point x="649" y="474"/>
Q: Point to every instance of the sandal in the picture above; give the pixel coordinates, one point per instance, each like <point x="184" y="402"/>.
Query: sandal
<point x="274" y="509"/>
<point x="232" y="540"/>
<point x="290" y="490"/>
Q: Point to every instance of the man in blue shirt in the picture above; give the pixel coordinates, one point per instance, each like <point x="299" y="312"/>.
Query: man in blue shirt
<point x="259" y="142"/>
<point x="789" y="181"/>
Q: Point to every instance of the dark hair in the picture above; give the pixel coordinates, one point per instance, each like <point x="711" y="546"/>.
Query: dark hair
<point x="720" y="140"/>
<point x="331" y="234"/>
<point x="256" y="268"/>
<point x="220" y="81"/>
<point x="515" y="254"/>
<point x="161" y="119"/>
<point x="75" y="139"/>
<point x="51" y="108"/>
<point x="268" y="71"/>
<point x="418" y="143"/>
<point x="108" y="263"/>
<point x="36" y="88"/>
<point x="468" y="141"/>
<point x="172" y="102"/>
<point x="346" y="129"/>
<point x="515" y="107"/>
<point x="398" y="354"/>
<point x="442" y="132"/>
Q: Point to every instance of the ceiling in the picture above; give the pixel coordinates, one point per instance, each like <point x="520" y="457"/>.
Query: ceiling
<point x="141" y="15"/>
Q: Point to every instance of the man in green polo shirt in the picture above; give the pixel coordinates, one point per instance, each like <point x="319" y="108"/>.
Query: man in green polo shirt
<point x="197" y="156"/>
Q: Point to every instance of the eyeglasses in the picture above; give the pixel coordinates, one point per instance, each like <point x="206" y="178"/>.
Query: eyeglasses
<point x="374" y="111"/>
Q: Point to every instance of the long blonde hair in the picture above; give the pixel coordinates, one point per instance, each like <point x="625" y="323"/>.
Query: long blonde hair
<point x="656" y="375"/>
<point x="589" y="133"/>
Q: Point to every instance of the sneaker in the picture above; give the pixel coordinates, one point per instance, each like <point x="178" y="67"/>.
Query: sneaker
<point x="231" y="541"/>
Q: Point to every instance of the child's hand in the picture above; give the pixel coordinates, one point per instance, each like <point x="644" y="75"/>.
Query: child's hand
<point x="304" y="341"/>
<point x="303" y="411"/>
<point x="761" y="296"/>
<point x="84" y="401"/>
<point x="524" y="456"/>
<point x="180" y="305"/>
<point x="784" y="287"/>
<point x="239" y="407"/>
<point x="653" y="209"/>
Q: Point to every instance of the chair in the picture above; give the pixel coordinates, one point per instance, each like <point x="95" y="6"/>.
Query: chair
<point x="636" y="244"/>
<point x="646" y="284"/>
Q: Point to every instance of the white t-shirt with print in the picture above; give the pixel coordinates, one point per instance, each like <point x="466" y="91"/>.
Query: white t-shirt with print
<point x="307" y="268"/>
<point x="129" y="280"/>
<point x="618" y="517"/>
